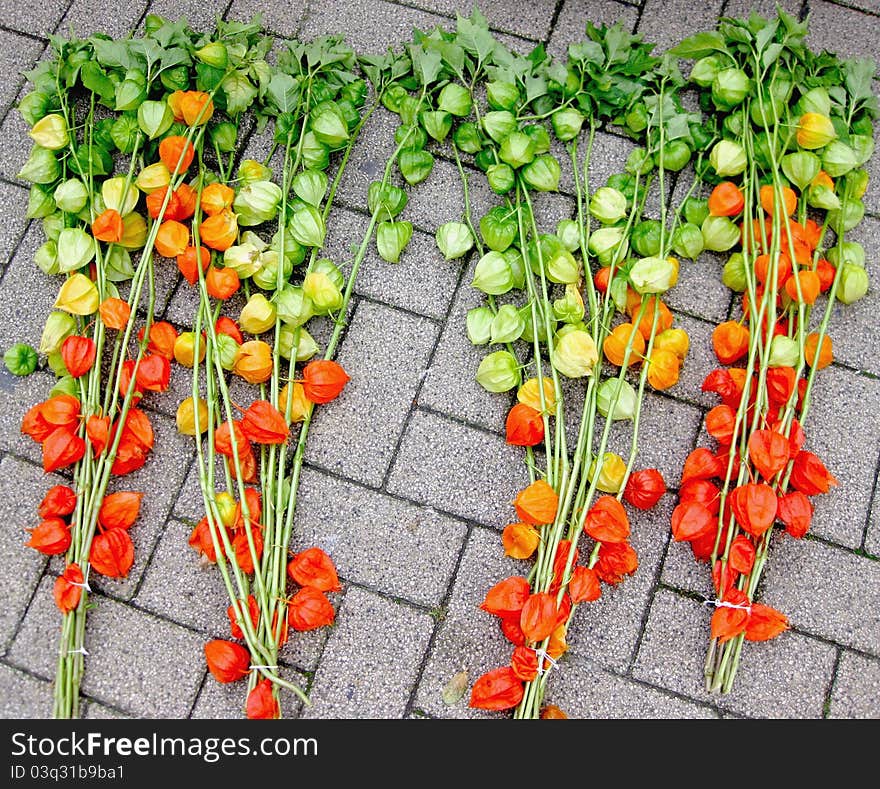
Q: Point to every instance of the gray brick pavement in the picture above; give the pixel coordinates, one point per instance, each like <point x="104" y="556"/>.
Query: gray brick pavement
<point x="408" y="620"/>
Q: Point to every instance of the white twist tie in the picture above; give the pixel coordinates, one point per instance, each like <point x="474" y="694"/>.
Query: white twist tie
<point x="85" y="583"/>
<point x="542" y="657"/>
<point x="270" y="668"/>
<point x="79" y="651"/>
<point x="725" y="604"/>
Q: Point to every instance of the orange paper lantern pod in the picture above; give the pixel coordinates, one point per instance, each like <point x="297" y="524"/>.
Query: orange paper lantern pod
<point x="584" y="586"/>
<point x="726" y="199"/>
<point x="241" y="545"/>
<point x="34" y="424"/>
<point x="129" y="457"/>
<point x="538" y="616"/>
<point x="614" y="346"/>
<point x="230" y="328"/>
<point x="68" y="588"/>
<point x="108" y="226"/>
<point x="223" y="439"/>
<point x="560" y="562"/>
<point x="160" y="197"/>
<point x="252" y="609"/>
<point x="525" y="426"/>
<point x="499" y="689"/>
<point x="511" y="630"/>
<point x="692" y="520"/>
<point x="783" y="268"/>
<point x="215" y="198"/>
<point x="61" y="411"/>
<point x="730" y="341"/>
<point x="188" y="263"/>
<point x="309" y="609"/>
<point x="702" y="547"/>
<point x="112" y="553"/>
<point x="731" y="616"/>
<point x="644" y="488"/>
<point x="61" y="449"/>
<point x="826" y="273"/>
<point x="248" y="465"/>
<point x="261" y="703"/>
<point x="768" y="200"/>
<point x="255" y="509"/>
<point x="728" y="384"/>
<point x="98" y="432"/>
<point x="196" y="107"/>
<point x="137" y="429"/>
<point x="616" y="560"/>
<point x="172" y="238"/>
<point x="664" y="319"/>
<point x="780" y="385"/>
<point x="701" y="464"/>
<point x="119" y="510"/>
<point x="742" y="554"/>
<point x="552" y="712"/>
<point x="176" y="153"/>
<point x="601" y="279"/>
<point x="723" y="577"/>
<point x="796" y="512"/>
<point x="323" y="380"/>
<point x="754" y="507"/>
<point x="114" y="313"/>
<point x="809" y="475"/>
<point x="507" y="598"/>
<point x="537" y="504"/>
<point x="769" y="452"/>
<point x="219" y="231"/>
<point x="720" y="424"/>
<point x="227" y="661"/>
<point x="161" y="339"/>
<point x="262" y="423"/>
<point x="826" y="353"/>
<point x="765" y="623"/>
<point x="702" y="491"/>
<point x="153" y="373"/>
<point x="810" y="286"/>
<point x="313" y="568"/>
<point x="520" y="540"/>
<point x="51" y="537"/>
<point x="606" y="521"/>
<point x="524" y="663"/>
<point x="59" y="502"/>
<point x="126" y="374"/>
<point x="200" y="539"/>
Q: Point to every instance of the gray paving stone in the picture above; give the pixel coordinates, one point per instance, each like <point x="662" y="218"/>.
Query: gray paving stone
<point x="22" y="487"/>
<point x="13" y="157"/>
<point x="531" y="20"/>
<point x="86" y="17"/>
<point x="375" y="540"/>
<point x="872" y="532"/>
<point x="98" y="711"/>
<point x="283" y="19"/>
<point x="683" y="571"/>
<point x="871" y="198"/>
<point x="38" y="19"/>
<point x="26" y="293"/>
<point x="826" y="591"/>
<point x="450" y="383"/>
<point x="13" y="203"/>
<point x="17" y="54"/>
<point x="741" y="9"/>
<point x="384" y="379"/>
<point x="571" y="23"/>
<point x="783" y="678"/>
<point x="469" y="639"/>
<point x="667" y="22"/>
<point x="607" y="630"/>
<point x="200" y="14"/>
<point x="23" y="696"/>
<point x="389" y="25"/>
<point x="371" y="660"/>
<point x="219" y="701"/>
<point x="183" y="586"/>
<point x="584" y="690"/>
<point x="847" y="436"/>
<point x="841" y="30"/>
<point x="850" y="325"/>
<point x="856" y="692"/>
<point x="458" y="469"/>
<point x="699" y="362"/>
<point x="17" y="395"/>
<point x="423" y="281"/>
<point x="137" y="663"/>
<point x="699" y="290"/>
<point x="675" y="421"/>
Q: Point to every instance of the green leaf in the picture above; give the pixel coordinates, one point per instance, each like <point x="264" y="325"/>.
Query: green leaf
<point x="700" y="45"/>
<point x="455" y="689"/>
<point x="427" y="64"/>
<point x="535" y="87"/>
<point x="858" y="73"/>
<point x="240" y="93"/>
<point x="771" y="54"/>
<point x="283" y="92"/>
<point x="96" y="80"/>
<point x="473" y="34"/>
<point x="113" y="54"/>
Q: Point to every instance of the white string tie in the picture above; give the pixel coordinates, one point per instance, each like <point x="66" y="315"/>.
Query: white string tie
<point x="270" y="668"/>
<point x="79" y="651"/>
<point x="542" y="657"/>
<point x="725" y="604"/>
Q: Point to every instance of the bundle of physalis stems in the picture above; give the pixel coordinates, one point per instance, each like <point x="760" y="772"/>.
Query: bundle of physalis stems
<point x="796" y="128"/>
<point x="609" y="77"/>
<point x="99" y="106"/>
<point x="318" y="105"/>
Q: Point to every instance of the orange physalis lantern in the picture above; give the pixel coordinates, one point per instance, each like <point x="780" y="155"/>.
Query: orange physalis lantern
<point x="309" y="609"/>
<point x="51" y="537"/>
<point x="765" y="623"/>
<point x="68" y="588"/>
<point x="606" y="521"/>
<point x="261" y="704"/>
<point x="507" y="598"/>
<point x="691" y="520"/>
<point x="112" y="553"/>
<point x="108" y="226"/>
<point x="315" y="569"/>
<point x="809" y="475"/>
<point x="644" y="488"/>
<point x="520" y="540"/>
<point x="227" y="661"/>
<point x="730" y="341"/>
<point x="262" y="423"/>
<point x="754" y="507"/>
<point x="119" y="510"/>
<point x="114" y="313"/>
<point x="537" y="504"/>
<point x="525" y="426"/>
<point x="499" y="689"/>
<point x="323" y="380"/>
